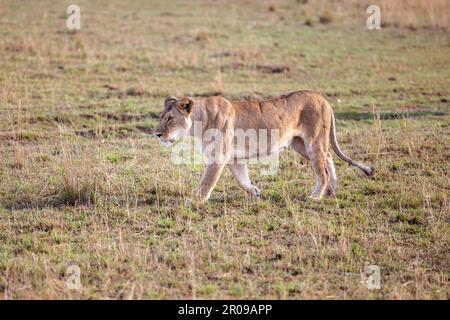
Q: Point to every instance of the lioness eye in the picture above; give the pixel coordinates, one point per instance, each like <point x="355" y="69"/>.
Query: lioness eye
<point x="169" y="118"/>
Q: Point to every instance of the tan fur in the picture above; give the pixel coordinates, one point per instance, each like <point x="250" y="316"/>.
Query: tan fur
<point x="305" y="121"/>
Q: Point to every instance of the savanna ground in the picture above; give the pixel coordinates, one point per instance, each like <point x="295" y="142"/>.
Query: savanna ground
<point x="83" y="182"/>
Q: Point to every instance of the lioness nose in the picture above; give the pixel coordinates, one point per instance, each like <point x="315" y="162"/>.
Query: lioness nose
<point x="158" y="134"/>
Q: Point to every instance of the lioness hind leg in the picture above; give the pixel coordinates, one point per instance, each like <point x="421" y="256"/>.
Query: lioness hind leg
<point x="299" y="146"/>
<point x="332" y="185"/>
<point x="240" y="173"/>
<point x="326" y="180"/>
<point x="319" y="162"/>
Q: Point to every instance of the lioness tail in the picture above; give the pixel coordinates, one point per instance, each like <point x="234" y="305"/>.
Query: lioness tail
<point x="369" y="171"/>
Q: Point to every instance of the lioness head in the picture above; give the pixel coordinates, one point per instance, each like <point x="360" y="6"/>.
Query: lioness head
<point x="174" y="120"/>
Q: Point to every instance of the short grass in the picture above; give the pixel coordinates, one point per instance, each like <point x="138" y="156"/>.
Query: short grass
<point x="82" y="182"/>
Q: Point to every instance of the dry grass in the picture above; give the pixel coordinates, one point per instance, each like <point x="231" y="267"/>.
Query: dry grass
<point x="82" y="182"/>
<point x="326" y="18"/>
<point x="416" y="14"/>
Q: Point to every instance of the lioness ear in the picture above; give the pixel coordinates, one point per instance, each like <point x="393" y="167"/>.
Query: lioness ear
<point x="169" y="101"/>
<point x="186" y="105"/>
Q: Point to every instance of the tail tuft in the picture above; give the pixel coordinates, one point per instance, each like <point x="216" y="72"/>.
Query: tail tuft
<point x="369" y="171"/>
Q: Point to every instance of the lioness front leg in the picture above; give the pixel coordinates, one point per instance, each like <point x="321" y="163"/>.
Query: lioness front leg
<point x="240" y="173"/>
<point x="210" y="177"/>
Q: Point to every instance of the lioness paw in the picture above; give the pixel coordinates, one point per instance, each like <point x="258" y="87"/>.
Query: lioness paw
<point x="257" y="193"/>
<point x="315" y="197"/>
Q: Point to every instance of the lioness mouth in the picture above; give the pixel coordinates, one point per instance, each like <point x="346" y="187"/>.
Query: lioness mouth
<point x="167" y="142"/>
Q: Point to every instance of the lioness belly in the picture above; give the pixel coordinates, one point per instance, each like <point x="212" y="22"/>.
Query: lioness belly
<point x="259" y="148"/>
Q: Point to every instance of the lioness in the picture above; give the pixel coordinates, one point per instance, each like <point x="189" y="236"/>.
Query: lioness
<point x="304" y="120"/>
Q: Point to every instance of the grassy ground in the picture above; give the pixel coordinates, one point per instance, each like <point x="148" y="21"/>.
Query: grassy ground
<point x="82" y="182"/>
